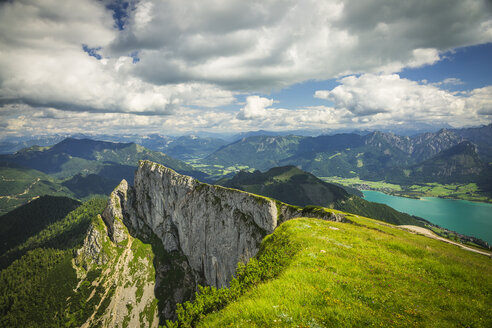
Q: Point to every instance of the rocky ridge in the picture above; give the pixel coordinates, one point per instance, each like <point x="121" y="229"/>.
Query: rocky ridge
<point x="214" y="227"/>
<point x="204" y="230"/>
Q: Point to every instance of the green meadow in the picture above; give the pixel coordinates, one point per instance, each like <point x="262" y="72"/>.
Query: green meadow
<point x="364" y="274"/>
<point x="468" y="191"/>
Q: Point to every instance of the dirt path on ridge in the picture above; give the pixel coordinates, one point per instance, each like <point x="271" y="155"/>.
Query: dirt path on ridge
<point x="430" y="234"/>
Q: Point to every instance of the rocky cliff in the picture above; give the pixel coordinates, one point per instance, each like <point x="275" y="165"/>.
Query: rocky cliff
<point x="204" y="230"/>
<point x="214" y="227"/>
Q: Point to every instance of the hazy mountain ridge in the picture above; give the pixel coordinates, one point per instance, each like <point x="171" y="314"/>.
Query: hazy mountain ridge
<point x="183" y="147"/>
<point x="257" y="151"/>
<point x="376" y="155"/>
<point x="76" y="168"/>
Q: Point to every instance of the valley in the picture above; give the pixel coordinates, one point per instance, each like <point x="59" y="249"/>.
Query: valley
<point x="215" y="225"/>
<point x="469" y="191"/>
<point x="128" y="261"/>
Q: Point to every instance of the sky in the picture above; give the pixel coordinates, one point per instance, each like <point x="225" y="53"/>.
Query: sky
<point x="176" y="67"/>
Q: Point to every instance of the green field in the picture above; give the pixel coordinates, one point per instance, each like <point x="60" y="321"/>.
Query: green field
<point x="216" y="172"/>
<point x="468" y="191"/>
<point x="366" y="274"/>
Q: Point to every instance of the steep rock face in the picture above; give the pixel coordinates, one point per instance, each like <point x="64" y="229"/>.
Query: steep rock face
<point x="213" y="227"/>
<point x="427" y="145"/>
<point x="113" y="214"/>
<point x="91" y="250"/>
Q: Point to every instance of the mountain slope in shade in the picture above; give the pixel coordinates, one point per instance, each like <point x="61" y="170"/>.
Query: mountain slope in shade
<point x="261" y="152"/>
<point x="27" y="220"/>
<point x="481" y="136"/>
<point x="460" y="163"/>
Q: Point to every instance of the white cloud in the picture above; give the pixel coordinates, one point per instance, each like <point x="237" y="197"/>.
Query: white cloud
<point x="389" y="98"/>
<point x="448" y="81"/>
<point x="480" y="100"/>
<point x="42" y="63"/>
<point x="255" y="108"/>
<point x="204" y="54"/>
<point x="20" y="119"/>
<point x="260" y="45"/>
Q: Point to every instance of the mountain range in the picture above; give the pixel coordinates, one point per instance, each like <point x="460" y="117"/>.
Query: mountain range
<point x="173" y="251"/>
<point x="80" y="168"/>
<point x="375" y="156"/>
<point x="291" y="185"/>
<point x="77" y="168"/>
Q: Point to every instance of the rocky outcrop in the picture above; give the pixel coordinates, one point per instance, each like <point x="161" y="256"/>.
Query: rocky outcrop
<point x="113" y="214"/>
<point x="212" y="226"/>
<point x="92" y="249"/>
<point x="205" y="229"/>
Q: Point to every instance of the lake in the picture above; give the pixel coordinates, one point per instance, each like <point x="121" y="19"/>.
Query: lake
<point x="469" y="218"/>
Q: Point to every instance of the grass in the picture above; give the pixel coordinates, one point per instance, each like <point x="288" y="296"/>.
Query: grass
<point x="363" y="274"/>
<point x="468" y="191"/>
<point x="216" y="172"/>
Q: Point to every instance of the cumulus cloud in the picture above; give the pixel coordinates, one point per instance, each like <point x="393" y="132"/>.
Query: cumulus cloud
<point x="480" y="100"/>
<point x="20" y="119"/>
<point x="389" y="98"/>
<point x="260" y="45"/>
<point x="169" y="58"/>
<point x="255" y="108"/>
<point x="48" y="60"/>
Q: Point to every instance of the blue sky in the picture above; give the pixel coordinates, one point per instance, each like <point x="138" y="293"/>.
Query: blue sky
<point x="472" y="65"/>
<point x="467" y="68"/>
<point x="176" y="67"/>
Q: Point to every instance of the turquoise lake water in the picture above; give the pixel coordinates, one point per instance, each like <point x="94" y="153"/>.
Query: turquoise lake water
<point x="469" y="218"/>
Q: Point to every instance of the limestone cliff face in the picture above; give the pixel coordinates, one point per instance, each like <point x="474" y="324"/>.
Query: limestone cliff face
<point x="91" y="250"/>
<point x="113" y="214"/>
<point x="213" y="227"/>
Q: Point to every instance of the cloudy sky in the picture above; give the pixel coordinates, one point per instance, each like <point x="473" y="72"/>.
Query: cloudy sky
<point x="175" y="66"/>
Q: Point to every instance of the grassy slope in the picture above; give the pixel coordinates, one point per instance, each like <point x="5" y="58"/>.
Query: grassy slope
<point x="18" y="186"/>
<point x="364" y="274"/>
